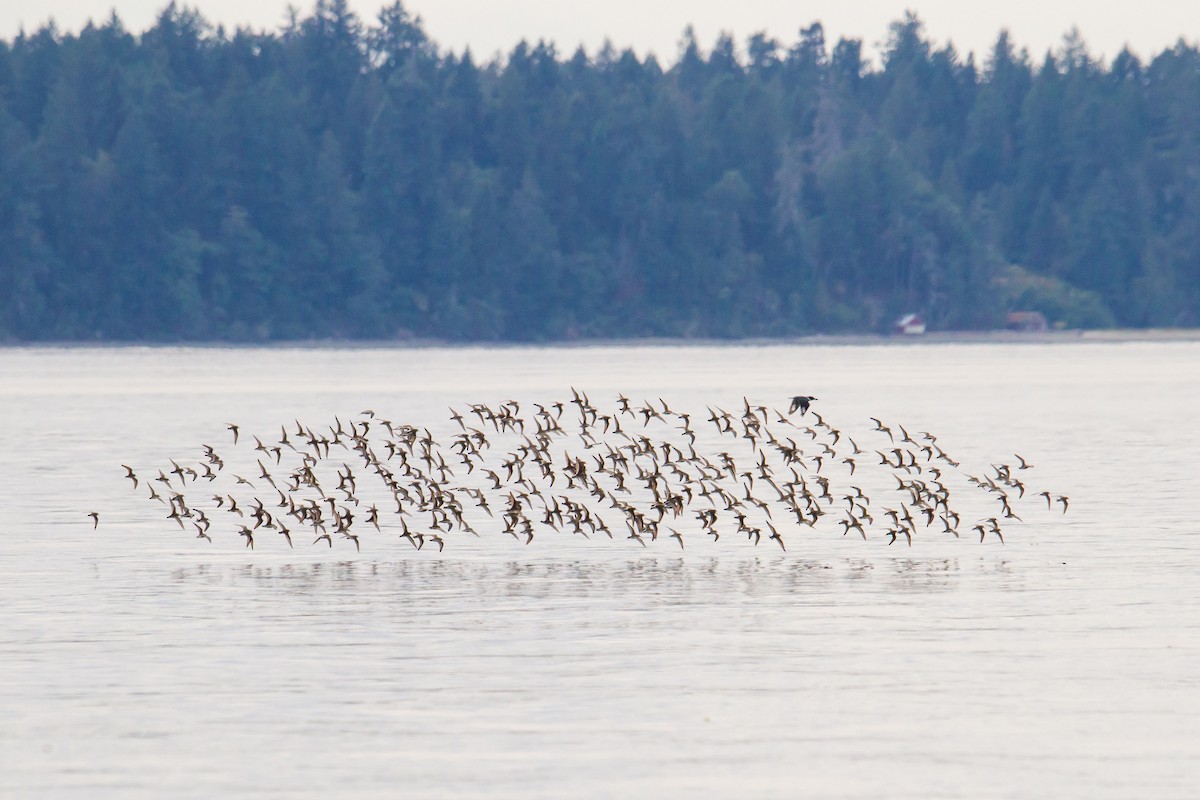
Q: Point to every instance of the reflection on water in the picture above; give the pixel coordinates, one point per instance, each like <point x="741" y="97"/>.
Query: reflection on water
<point x="137" y="663"/>
<point x="701" y="578"/>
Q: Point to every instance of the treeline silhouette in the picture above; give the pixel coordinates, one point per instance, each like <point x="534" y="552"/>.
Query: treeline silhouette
<point x="351" y="180"/>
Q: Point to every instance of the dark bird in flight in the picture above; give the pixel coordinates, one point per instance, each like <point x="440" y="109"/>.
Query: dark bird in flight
<point x="95" y="519"/>
<point x="800" y="402"/>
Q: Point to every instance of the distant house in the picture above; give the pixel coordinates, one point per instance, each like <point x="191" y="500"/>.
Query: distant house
<point x="909" y="325"/>
<point x="1032" y="321"/>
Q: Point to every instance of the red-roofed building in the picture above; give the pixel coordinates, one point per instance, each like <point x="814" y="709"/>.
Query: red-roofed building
<point x="1026" y="321"/>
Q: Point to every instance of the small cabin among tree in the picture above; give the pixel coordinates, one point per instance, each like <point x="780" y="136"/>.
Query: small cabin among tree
<point x="909" y="325"/>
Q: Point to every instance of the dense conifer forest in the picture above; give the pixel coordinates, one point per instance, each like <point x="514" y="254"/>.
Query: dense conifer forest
<point x="342" y="178"/>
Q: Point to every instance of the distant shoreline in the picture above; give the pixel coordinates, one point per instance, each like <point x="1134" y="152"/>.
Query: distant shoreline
<point x="1116" y="336"/>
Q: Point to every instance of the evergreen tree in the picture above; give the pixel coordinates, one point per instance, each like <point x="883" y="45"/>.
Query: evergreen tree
<point x="337" y="178"/>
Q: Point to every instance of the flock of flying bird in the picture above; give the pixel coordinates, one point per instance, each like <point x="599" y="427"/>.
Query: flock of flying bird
<point x="642" y="472"/>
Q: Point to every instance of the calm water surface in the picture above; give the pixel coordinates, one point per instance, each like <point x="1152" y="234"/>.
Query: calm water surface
<point x="138" y="662"/>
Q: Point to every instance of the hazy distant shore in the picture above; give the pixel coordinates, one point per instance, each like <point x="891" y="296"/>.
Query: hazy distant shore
<point x="1117" y="335"/>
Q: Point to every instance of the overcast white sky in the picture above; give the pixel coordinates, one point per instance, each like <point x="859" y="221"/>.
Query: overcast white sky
<point x="494" y="26"/>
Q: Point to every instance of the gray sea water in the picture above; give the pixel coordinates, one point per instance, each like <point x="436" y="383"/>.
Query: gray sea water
<point x="137" y="661"/>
